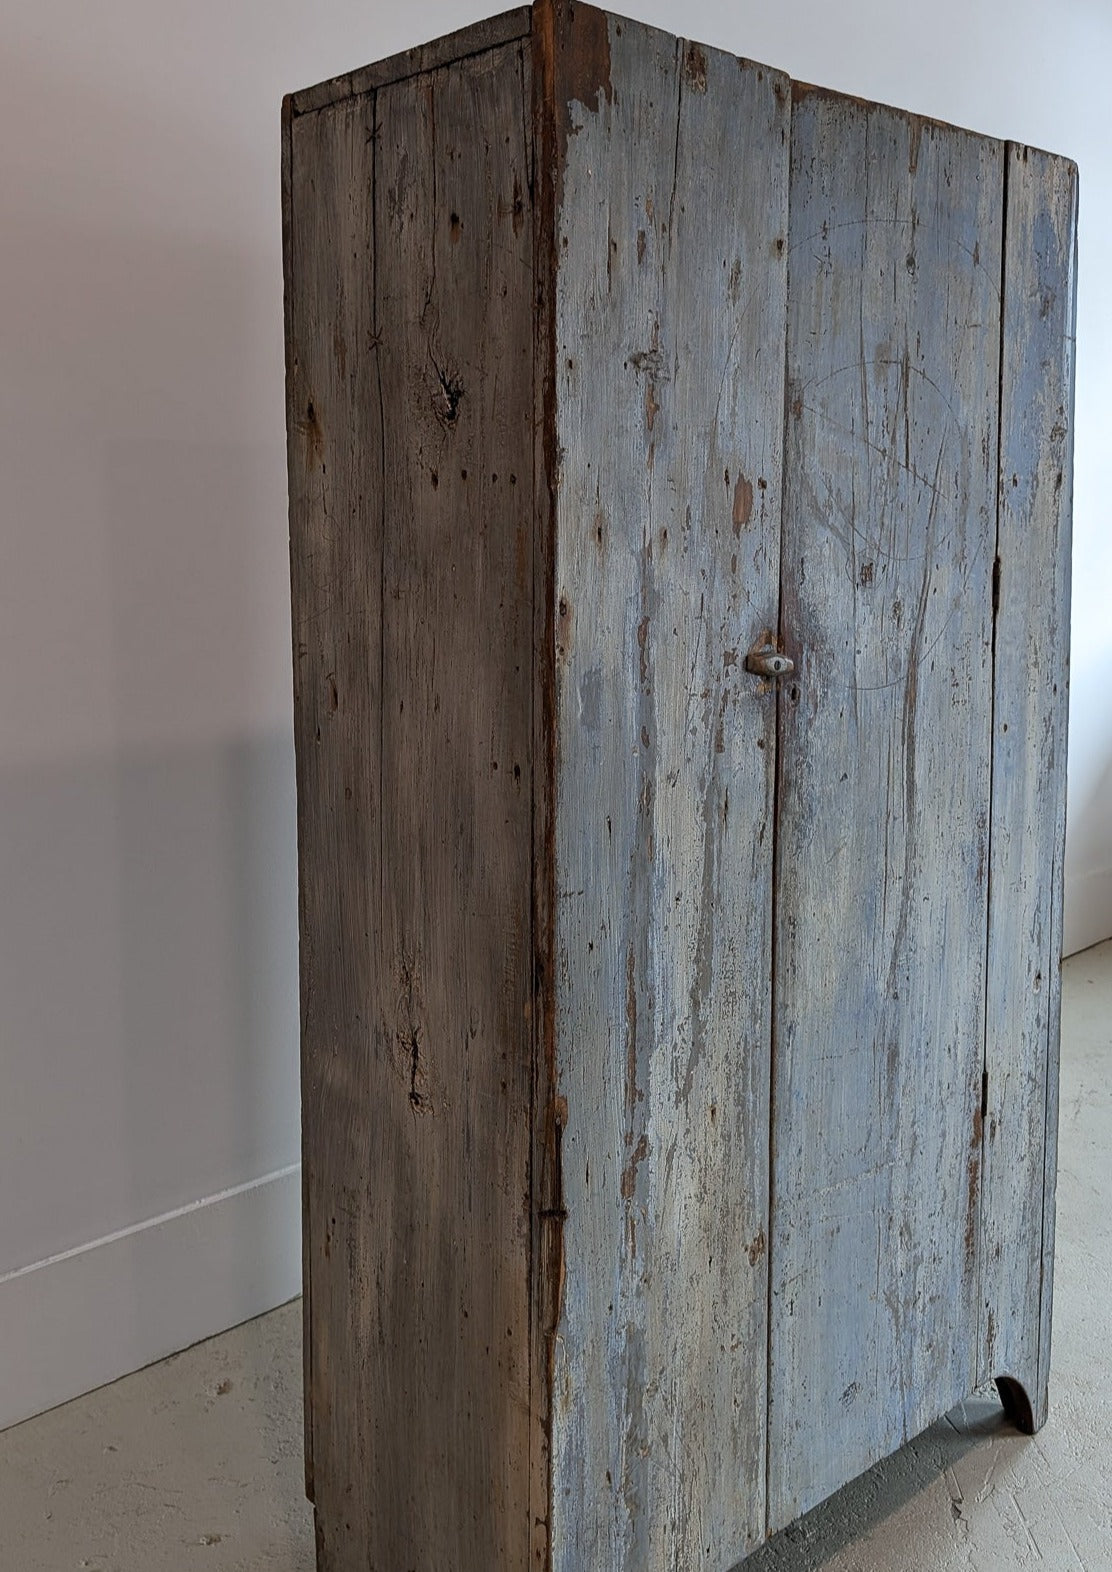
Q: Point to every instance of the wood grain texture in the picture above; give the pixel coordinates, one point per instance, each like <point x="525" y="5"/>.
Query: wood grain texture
<point x="547" y="1254"/>
<point x="648" y="1196"/>
<point x="335" y="559"/>
<point x="669" y="408"/>
<point x="455" y="313"/>
<point x="1029" y="768"/>
<point x="411" y="507"/>
<point x="890" y="495"/>
<point x="300" y="516"/>
<point x="479" y="38"/>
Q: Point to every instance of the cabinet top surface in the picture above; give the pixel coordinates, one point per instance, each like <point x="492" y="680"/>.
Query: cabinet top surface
<point x="507" y="27"/>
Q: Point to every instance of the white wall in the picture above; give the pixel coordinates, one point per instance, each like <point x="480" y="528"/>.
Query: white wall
<point x="148" y="1032"/>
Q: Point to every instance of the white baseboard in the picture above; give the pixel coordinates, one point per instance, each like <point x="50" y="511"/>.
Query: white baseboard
<point x="1088" y="909"/>
<point x="81" y="1319"/>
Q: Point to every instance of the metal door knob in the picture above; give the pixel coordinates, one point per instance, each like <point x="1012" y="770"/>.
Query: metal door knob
<point x="767" y="661"/>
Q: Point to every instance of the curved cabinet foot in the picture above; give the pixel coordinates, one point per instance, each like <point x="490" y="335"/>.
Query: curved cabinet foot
<point x="1018" y="1405"/>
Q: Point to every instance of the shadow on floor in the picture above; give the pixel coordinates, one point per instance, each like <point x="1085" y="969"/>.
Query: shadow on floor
<point x="849" y="1516"/>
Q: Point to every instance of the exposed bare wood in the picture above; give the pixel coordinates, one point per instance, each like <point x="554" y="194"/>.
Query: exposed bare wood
<point x="336" y="553"/>
<point x="477" y="39"/>
<point x="411" y="464"/>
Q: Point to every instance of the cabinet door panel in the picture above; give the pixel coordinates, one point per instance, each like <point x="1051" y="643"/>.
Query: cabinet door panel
<point x="669" y="364"/>
<point x="1029" y="769"/>
<point x="884" y="754"/>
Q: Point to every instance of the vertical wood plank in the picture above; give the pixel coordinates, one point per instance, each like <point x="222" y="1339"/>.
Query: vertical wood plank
<point x="669" y="410"/>
<point x="335" y="560"/>
<point x="411" y="506"/>
<point x="888" y="540"/>
<point x="452" y="1174"/>
<point x="293" y="392"/>
<point x="547" y="1256"/>
<point x="1029" y="768"/>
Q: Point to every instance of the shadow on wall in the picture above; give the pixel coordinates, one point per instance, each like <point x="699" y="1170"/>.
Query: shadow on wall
<point x="148" y="972"/>
<point x="148" y="951"/>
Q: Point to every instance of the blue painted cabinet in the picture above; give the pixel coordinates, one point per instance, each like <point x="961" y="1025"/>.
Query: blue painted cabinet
<point x="679" y="501"/>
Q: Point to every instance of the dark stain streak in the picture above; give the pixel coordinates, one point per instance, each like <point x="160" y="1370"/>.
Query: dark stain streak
<point x="632" y="1093"/>
<point x="629" y="1172"/>
<point x="417" y="1097"/>
<point x="695" y="68"/>
<point x="743" y="503"/>
<point x="409" y="1033"/>
<point x="973" y="1215"/>
<point x="650" y="363"/>
<point x="314" y="438"/>
<point x="447" y="393"/>
<point x="563" y="629"/>
<point x="585" y="56"/>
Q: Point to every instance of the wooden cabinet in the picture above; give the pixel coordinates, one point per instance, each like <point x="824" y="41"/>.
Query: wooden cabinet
<point x="679" y="1033"/>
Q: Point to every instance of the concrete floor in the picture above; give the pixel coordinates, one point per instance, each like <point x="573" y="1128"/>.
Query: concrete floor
<point x="196" y="1462"/>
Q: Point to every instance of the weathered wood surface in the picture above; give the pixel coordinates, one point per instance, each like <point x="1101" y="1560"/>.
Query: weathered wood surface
<point x="479" y="38"/>
<point x="1029" y="760"/>
<point x="335" y="560"/>
<point x="644" y="1004"/>
<point x="889" y="524"/>
<point x="669" y="407"/>
<point x="411" y="516"/>
<point x="546" y="1262"/>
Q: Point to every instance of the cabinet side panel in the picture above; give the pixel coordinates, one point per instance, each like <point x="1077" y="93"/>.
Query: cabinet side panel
<point x="669" y="410"/>
<point x="453" y="224"/>
<point x="889" y="532"/>
<point x="478" y="38"/>
<point x="413" y="600"/>
<point x="335" y="487"/>
<point x="1029" y="767"/>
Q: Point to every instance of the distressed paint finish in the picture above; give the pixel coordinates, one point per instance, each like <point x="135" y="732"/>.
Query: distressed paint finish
<point x="643" y="999"/>
<point x="669" y="406"/>
<point x="411" y="510"/>
<point x="1029" y="749"/>
<point x="884" y="752"/>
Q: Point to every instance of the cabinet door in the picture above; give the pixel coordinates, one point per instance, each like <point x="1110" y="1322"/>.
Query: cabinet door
<point x="669" y="408"/>
<point x="884" y="756"/>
